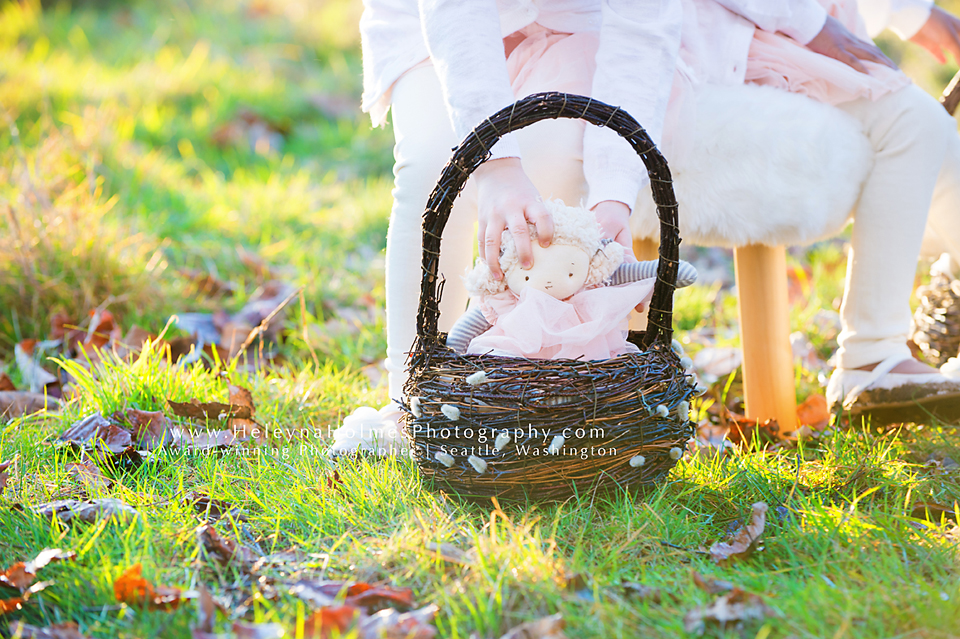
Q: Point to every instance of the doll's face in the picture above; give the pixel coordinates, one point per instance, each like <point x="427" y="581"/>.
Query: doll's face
<point x="559" y="270"/>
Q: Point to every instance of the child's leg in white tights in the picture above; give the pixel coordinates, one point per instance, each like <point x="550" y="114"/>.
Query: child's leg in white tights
<point x="424" y="139"/>
<point x="909" y="132"/>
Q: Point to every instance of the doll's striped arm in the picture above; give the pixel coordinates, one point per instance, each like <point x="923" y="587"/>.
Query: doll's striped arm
<point x="471" y="324"/>
<point x="635" y="271"/>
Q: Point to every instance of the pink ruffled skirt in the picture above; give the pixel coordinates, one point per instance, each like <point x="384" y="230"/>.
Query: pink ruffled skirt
<point x="591" y="325"/>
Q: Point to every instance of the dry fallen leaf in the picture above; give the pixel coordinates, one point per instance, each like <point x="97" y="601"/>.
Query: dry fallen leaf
<point x="390" y="624"/>
<point x="243" y="427"/>
<point x="449" y="553"/>
<point x="10" y="605"/>
<point x="932" y="511"/>
<point x="325" y="593"/>
<point x="15" y="404"/>
<point x="5" y="473"/>
<point x="208" y="411"/>
<point x="68" y="630"/>
<point x="258" y="630"/>
<point x="546" y="628"/>
<point x="731" y="609"/>
<point x="212" y="508"/>
<point x="96" y="428"/>
<point x="21" y="574"/>
<point x="89" y="474"/>
<point x="226" y="551"/>
<point x="151" y="429"/>
<point x="813" y="412"/>
<point x="67" y="510"/>
<point x="646" y="593"/>
<point x="322" y="623"/>
<point x="744" y="541"/>
<point x="5" y="383"/>
<point x="710" y="585"/>
<point x="132" y="589"/>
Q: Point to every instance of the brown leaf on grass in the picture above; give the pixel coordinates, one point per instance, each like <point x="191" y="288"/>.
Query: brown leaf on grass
<point x="226" y="551"/>
<point x="325" y="593"/>
<point x="21" y="574"/>
<point x="96" y="428"/>
<point x="322" y="623"/>
<point x="206" y="610"/>
<point x="813" y="412"/>
<point x="646" y="593"/>
<point x="212" y="508"/>
<point x="68" y="630"/>
<point x="451" y="554"/>
<point x="244" y="427"/>
<point x="204" y="439"/>
<point x="251" y="129"/>
<point x="34" y="375"/>
<point x="731" y="609"/>
<point x="334" y="482"/>
<point x="546" y="628"/>
<point x="151" y="429"/>
<point x="6" y="384"/>
<point x="208" y="284"/>
<point x="744" y="541"/>
<point x="711" y="585"/>
<point x="132" y="343"/>
<point x="390" y="624"/>
<point x="5" y="473"/>
<point x="67" y="510"/>
<point x="743" y="430"/>
<point x="89" y="474"/>
<point x="10" y="605"/>
<point x="132" y="589"/>
<point x="15" y="404"/>
<point x="208" y="411"/>
<point x="932" y="511"/>
<point x="257" y="630"/>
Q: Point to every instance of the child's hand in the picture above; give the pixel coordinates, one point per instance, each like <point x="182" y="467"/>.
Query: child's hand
<point x="614" y="220"/>
<point x="508" y="200"/>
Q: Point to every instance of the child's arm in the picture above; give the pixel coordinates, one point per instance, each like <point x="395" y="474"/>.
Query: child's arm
<point x="635" y="271"/>
<point x="471" y="324"/>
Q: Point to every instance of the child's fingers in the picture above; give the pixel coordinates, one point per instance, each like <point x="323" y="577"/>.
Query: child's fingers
<point x="490" y="249"/>
<point x="521" y="237"/>
<point x="538" y="214"/>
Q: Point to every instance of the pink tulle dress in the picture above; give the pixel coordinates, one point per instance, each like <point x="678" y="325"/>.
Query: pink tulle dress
<point x="590" y="325"/>
<point x="777" y="61"/>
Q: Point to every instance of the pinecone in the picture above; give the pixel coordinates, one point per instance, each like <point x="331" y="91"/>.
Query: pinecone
<point x="936" y="322"/>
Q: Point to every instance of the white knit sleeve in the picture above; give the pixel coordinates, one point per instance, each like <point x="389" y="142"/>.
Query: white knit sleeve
<point x="639" y="44"/>
<point x="466" y="48"/>
<point x="798" y="19"/>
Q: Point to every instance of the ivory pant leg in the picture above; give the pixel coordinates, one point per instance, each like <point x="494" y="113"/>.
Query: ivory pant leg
<point x="424" y="139"/>
<point x="943" y="224"/>
<point x="909" y="131"/>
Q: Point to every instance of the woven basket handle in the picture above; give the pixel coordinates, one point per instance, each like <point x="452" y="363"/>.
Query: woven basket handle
<point x="475" y="150"/>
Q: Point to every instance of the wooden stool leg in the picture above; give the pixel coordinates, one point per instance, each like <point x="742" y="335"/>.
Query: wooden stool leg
<point x="643" y="249"/>
<point x="768" y="382"/>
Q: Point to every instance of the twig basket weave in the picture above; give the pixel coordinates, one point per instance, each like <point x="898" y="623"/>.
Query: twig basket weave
<point x="545" y="429"/>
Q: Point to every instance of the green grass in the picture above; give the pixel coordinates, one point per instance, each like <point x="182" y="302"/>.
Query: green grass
<point x="112" y="184"/>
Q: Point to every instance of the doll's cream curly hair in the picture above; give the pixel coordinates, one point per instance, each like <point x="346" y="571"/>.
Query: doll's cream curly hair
<point x="572" y="225"/>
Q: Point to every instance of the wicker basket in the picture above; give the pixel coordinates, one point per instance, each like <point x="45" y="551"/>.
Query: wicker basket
<point x="572" y="426"/>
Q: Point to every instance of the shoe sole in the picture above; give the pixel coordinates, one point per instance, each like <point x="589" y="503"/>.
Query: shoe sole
<point x="884" y="406"/>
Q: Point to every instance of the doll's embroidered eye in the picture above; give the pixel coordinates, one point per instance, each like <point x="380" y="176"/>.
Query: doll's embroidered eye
<point x="526" y="279"/>
<point x="571" y="275"/>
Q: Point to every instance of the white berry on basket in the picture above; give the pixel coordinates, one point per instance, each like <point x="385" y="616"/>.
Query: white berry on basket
<point x="675" y="453"/>
<point x="686" y="363"/>
<point x="677" y="347"/>
<point x="444" y="458"/>
<point x="450" y="412"/>
<point x="638" y="460"/>
<point x="501" y="441"/>
<point x="662" y="410"/>
<point x="556" y="445"/>
<point x="683" y="410"/>
<point x="478" y="464"/>
<point x="477" y="378"/>
<point x="415" y="407"/>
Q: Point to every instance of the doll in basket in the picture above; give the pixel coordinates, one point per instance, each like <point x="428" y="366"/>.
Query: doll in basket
<point x="572" y="303"/>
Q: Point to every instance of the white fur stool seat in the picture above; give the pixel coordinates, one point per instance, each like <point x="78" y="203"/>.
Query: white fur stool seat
<point x="765" y="168"/>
